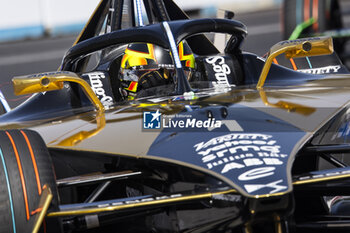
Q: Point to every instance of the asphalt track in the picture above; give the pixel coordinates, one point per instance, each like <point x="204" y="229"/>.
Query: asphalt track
<point x="45" y="54"/>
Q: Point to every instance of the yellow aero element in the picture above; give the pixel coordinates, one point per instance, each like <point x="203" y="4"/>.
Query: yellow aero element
<point x="288" y="106"/>
<point x="146" y="202"/>
<point x="38" y="82"/>
<point x="44" y="203"/>
<point x="75" y="139"/>
<point x="296" y="48"/>
<point x="53" y="81"/>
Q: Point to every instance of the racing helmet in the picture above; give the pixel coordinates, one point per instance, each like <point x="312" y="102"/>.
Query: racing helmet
<point x="146" y="65"/>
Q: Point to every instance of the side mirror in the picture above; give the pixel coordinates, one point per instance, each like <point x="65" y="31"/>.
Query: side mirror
<point x="53" y="81"/>
<point x="296" y="48"/>
<point x="39" y="82"/>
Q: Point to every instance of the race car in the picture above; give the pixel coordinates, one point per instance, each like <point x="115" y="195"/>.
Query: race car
<point x="147" y="127"/>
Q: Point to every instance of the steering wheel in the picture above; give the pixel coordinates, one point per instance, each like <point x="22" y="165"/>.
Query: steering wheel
<point x="157" y="34"/>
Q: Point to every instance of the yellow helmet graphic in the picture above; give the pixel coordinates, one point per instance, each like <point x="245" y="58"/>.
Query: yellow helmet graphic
<point x="138" y="55"/>
<point x="186" y="55"/>
<point x="145" y="61"/>
<point x="141" y="54"/>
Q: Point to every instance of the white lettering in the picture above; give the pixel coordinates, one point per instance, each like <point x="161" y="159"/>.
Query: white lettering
<point x="208" y="158"/>
<point x="97" y="87"/>
<point x="212" y="60"/>
<point x="322" y="70"/>
<point x="221" y="71"/>
<point x="257" y="173"/>
<point x="272" y="161"/>
<point x="252" y="162"/>
<point x="190" y="123"/>
<point x="234" y="150"/>
<point x="273" y="185"/>
<point x="230" y="137"/>
<point x="231" y="166"/>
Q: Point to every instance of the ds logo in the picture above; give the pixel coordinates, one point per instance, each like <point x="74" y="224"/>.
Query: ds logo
<point x="152" y="120"/>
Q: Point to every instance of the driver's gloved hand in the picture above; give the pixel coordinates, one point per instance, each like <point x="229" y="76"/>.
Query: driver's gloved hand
<point x="151" y="79"/>
<point x="197" y="76"/>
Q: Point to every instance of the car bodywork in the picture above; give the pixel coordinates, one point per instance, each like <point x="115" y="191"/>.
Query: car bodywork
<point x="263" y="155"/>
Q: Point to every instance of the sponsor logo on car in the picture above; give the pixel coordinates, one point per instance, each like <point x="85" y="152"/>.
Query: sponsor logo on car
<point x="97" y="86"/>
<point x="221" y="70"/>
<point x="272" y="185"/>
<point x="251" y="157"/>
<point x="322" y="70"/>
<point x="227" y="197"/>
<point x="49" y="74"/>
<point x="143" y="200"/>
<point x="324" y="175"/>
<point x="298" y="41"/>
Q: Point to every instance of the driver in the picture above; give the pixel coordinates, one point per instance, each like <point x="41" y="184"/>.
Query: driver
<point x="147" y="65"/>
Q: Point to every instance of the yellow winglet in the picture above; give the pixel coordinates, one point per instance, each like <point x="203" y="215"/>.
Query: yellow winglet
<point x="53" y="81"/>
<point x="44" y="203"/>
<point x="296" y="48"/>
<point x="288" y="106"/>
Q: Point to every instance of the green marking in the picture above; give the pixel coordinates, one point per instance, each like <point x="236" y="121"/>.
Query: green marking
<point x="300" y="28"/>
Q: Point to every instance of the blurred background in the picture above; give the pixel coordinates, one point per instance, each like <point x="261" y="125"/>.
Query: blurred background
<point x="36" y="18"/>
<point x="40" y="31"/>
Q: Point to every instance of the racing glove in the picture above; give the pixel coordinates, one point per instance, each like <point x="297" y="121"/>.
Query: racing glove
<point x="152" y="79"/>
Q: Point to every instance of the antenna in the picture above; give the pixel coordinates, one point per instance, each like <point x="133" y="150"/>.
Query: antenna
<point x="139" y="13"/>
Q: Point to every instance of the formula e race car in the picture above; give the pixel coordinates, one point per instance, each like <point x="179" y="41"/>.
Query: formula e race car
<point x="147" y="127"/>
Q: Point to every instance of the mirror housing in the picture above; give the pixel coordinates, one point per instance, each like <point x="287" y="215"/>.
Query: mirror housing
<point x="53" y="81"/>
<point x="39" y="82"/>
<point x="304" y="47"/>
